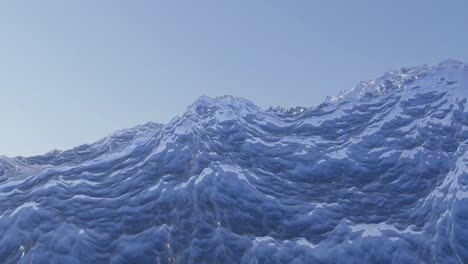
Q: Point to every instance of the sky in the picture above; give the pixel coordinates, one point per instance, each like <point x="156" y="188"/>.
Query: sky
<point x="72" y="72"/>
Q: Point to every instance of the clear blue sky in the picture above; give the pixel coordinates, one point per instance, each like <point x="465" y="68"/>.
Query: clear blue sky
<point x="72" y="72"/>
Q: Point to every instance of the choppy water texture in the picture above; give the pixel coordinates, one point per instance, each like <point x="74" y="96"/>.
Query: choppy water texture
<point x="377" y="174"/>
